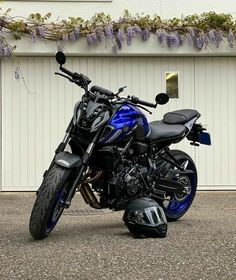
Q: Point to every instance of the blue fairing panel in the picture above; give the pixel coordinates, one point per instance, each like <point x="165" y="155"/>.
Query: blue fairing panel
<point x="123" y="121"/>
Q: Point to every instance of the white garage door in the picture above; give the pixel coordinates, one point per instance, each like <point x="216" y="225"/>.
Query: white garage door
<point x="36" y="110"/>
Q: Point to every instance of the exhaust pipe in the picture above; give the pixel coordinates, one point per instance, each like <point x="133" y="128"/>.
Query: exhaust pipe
<point x="89" y="196"/>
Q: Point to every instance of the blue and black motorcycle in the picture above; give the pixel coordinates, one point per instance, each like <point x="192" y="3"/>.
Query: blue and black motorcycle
<point x="117" y="156"/>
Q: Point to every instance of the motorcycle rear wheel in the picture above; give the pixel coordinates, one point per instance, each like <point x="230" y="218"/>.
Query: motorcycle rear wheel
<point x="48" y="205"/>
<point x="179" y="205"/>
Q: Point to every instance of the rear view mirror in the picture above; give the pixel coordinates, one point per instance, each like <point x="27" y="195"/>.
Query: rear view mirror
<point x="162" y="98"/>
<point x="60" y="58"/>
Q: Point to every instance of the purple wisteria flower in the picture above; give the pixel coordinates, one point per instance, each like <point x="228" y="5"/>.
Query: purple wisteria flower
<point x="130" y="34"/>
<point x="77" y="32"/>
<point x="1" y="49"/>
<point x="17" y="73"/>
<point x="145" y="34"/>
<point x="200" y="43"/>
<point x="33" y="36"/>
<point x="172" y="40"/>
<point x="120" y="37"/>
<point x="180" y="38"/>
<point x="231" y="39"/>
<point x="190" y="39"/>
<point x="196" y="39"/>
<point x="71" y="36"/>
<point x="211" y="35"/>
<point x="8" y="51"/>
<point x="161" y="36"/>
<point x="215" y="37"/>
<point x="65" y="37"/>
<point x="5" y="50"/>
<point x="137" y="29"/>
<point x="109" y="31"/>
<point x="41" y="32"/>
<point x="92" y="39"/>
<point x="99" y="35"/>
<point x="218" y="38"/>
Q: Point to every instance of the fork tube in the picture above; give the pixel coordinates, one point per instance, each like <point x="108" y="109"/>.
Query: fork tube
<point x="85" y="161"/>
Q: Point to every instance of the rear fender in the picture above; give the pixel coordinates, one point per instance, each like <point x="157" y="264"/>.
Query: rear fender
<point x="68" y="160"/>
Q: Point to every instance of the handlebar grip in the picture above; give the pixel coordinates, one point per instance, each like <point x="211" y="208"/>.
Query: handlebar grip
<point x="68" y="72"/>
<point x="147" y="104"/>
<point x="136" y="100"/>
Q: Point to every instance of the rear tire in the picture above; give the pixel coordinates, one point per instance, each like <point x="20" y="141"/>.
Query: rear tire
<point x="48" y="206"/>
<point x="177" y="208"/>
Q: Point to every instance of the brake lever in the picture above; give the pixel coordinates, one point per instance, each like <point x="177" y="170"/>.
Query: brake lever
<point x="144" y="108"/>
<point x="57" y="73"/>
<point x="69" y="78"/>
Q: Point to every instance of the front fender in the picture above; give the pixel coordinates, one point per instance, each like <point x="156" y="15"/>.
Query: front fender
<point x="68" y="160"/>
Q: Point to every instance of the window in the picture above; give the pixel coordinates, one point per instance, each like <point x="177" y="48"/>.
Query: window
<point x="172" y="84"/>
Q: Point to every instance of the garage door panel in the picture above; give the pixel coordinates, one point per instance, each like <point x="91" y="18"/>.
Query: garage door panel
<point x="215" y="97"/>
<point x="36" y="111"/>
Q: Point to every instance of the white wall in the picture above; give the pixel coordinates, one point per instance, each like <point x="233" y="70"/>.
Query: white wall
<point x="33" y="123"/>
<point x="164" y="8"/>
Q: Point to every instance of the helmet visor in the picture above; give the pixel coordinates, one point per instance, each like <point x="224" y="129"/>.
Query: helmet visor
<point x="150" y="216"/>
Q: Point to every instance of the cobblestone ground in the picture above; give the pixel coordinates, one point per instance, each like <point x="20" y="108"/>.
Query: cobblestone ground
<point x="87" y="245"/>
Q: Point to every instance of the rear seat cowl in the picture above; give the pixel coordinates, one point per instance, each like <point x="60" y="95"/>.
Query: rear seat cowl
<point x="180" y="116"/>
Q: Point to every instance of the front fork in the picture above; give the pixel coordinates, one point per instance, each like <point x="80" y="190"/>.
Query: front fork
<point x="85" y="161"/>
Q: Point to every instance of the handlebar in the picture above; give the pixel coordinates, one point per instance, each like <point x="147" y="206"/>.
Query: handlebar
<point x="79" y="79"/>
<point x="102" y="90"/>
<point x="68" y="72"/>
<point x="83" y="81"/>
<point x="136" y="100"/>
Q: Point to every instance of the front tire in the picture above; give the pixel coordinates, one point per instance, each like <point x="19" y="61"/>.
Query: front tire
<point x="48" y="206"/>
<point x="180" y="205"/>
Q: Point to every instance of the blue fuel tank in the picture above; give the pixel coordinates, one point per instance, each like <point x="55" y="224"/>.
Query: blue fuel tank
<point x="124" y="122"/>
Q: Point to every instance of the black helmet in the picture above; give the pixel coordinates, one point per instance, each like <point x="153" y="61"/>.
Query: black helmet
<point x="145" y="218"/>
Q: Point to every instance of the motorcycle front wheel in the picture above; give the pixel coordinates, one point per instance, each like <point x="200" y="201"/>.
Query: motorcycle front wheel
<point x="48" y="205"/>
<point x="179" y="204"/>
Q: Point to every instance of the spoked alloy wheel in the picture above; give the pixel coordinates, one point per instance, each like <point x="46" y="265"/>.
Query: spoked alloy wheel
<point x="180" y="203"/>
<point x="48" y="206"/>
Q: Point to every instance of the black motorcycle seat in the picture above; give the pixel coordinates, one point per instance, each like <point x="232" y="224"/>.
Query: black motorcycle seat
<point x="161" y="131"/>
<point x="180" y="116"/>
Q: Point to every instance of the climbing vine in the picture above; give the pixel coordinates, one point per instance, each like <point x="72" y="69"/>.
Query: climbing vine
<point x="196" y="30"/>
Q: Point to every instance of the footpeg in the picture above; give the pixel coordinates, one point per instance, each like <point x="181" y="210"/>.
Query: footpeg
<point x="173" y="172"/>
